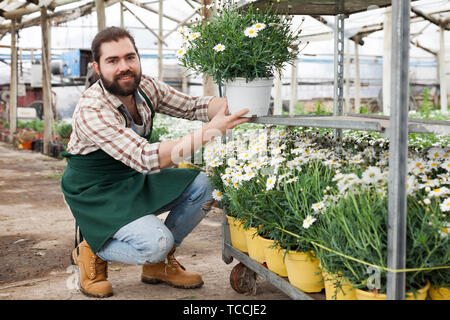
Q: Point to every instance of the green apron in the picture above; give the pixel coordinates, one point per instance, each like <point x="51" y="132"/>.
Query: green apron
<point x="104" y="194"/>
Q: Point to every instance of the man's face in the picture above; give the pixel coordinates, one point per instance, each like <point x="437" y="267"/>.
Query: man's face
<point x="119" y="67"/>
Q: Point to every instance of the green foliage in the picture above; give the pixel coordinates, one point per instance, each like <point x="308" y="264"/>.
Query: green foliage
<point x="157" y="133"/>
<point x="63" y="129"/>
<point x="243" y="56"/>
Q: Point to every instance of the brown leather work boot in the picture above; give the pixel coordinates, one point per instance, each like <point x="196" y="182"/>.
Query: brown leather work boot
<point x="93" y="272"/>
<point x="172" y="273"/>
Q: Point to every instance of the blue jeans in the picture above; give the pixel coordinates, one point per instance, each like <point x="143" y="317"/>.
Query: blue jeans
<point x="147" y="239"/>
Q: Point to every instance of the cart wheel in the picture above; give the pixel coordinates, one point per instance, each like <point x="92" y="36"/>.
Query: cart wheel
<point x="243" y="279"/>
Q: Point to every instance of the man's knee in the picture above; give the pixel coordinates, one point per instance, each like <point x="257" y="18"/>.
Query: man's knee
<point x="202" y="188"/>
<point x="157" y="248"/>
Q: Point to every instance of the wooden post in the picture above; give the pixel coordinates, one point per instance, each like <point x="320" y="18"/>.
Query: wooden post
<point x="357" y="80"/>
<point x="101" y="17"/>
<point x="46" y="84"/>
<point x="278" y="101"/>
<point x="122" y="24"/>
<point x="293" y="101"/>
<point x="348" y="104"/>
<point x="387" y="62"/>
<point x="13" y="85"/>
<point x="160" y="44"/>
<point x="442" y="71"/>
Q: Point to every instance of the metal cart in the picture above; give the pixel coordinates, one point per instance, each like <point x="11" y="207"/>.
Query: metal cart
<point x="396" y="127"/>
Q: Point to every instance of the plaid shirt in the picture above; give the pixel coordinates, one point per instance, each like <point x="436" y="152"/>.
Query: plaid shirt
<point x="98" y="124"/>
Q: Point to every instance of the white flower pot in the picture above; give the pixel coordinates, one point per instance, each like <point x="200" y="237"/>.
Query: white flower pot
<point x="253" y="95"/>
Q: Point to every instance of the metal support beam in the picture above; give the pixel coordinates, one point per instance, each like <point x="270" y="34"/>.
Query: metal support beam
<point x="398" y="149"/>
<point x="13" y="85"/>
<point x="294" y="72"/>
<point x="442" y="73"/>
<point x="357" y="80"/>
<point x="348" y="103"/>
<point x="339" y="52"/>
<point x="387" y="51"/>
<point x="160" y="41"/>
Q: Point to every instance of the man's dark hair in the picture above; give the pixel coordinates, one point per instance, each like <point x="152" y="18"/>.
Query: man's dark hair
<point x="107" y="35"/>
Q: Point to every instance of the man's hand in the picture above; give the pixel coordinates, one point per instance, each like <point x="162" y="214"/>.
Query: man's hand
<point x="173" y="151"/>
<point x="222" y="121"/>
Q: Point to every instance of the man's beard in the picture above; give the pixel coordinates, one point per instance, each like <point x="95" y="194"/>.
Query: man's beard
<point x="115" y="88"/>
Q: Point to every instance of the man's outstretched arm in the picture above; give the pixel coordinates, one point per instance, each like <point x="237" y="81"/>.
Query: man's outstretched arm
<point x="173" y="151"/>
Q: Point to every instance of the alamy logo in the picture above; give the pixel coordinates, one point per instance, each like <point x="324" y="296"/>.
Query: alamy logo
<point x="374" y="280"/>
<point x="73" y="281"/>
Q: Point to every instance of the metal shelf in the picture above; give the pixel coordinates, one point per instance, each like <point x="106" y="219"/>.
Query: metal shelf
<point x="229" y="252"/>
<point x="318" y="7"/>
<point x="357" y="122"/>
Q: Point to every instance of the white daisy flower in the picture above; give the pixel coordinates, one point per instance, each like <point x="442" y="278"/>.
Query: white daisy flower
<point x="259" y="26"/>
<point x="371" y="175"/>
<point x="308" y="221"/>
<point x="180" y="53"/>
<point x="251" y="32"/>
<point x="217" y="195"/>
<point x="435" y="153"/>
<point x="445" y="230"/>
<point x="194" y="35"/>
<point x="445" y="206"/>
<point x="427" y="201"/>
<point x="318" y="206"/>
<point x="439" y="192"/>
<point x="446" y="165"/>
<point x="220" y="47"/>
<point x="271" y="182"/>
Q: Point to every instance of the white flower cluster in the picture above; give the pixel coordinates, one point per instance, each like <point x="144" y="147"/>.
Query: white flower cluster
<point x="261" y="154"/>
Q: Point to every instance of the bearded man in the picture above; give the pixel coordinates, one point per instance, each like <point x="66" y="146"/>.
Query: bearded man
<point x="116" y="182"/>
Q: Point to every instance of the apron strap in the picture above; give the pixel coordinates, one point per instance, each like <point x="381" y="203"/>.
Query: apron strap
<point x="150" y="105"/>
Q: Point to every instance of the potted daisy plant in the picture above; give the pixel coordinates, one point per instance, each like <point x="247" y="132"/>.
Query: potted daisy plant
<point x="240" y="50"/>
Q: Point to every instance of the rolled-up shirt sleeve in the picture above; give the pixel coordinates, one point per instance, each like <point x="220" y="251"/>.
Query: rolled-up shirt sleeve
<point x="177" y="104"/>
<point x="102" y="128"/>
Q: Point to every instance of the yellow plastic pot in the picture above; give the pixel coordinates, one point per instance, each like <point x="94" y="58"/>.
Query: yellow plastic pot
<point x="238" y="238"/>
<point x="304" y="271"/>
<point x="439" y="293"/>
<point x="368" y="295"/>
<point x="255" y="249"/>
<point x="274" y="257"/>
<point x="337" y="287"/>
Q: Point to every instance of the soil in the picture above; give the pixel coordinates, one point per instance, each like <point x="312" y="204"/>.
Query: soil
<point x="37" y="237"/>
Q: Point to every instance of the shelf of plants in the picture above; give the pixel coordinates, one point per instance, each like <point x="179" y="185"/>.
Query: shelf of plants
<point x="309" y="193"/>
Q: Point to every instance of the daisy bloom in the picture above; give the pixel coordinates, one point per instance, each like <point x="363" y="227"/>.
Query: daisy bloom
<point x="251" y="32"/>
<point x="270" y="182"/>
<point x="445" y="206"/>
<point x="308" y="221"/>
<point x="259" y="26"/>
<point x="219" y="47"/>
<point x="194" y="35"/>
<point x="438" y="192"/>
<point x="371" y="175"/>
<point x="318" y="206"/>
<point x="180" y="53"/>
<point x="446" y="165"/>
<point x="217" y="195"/>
